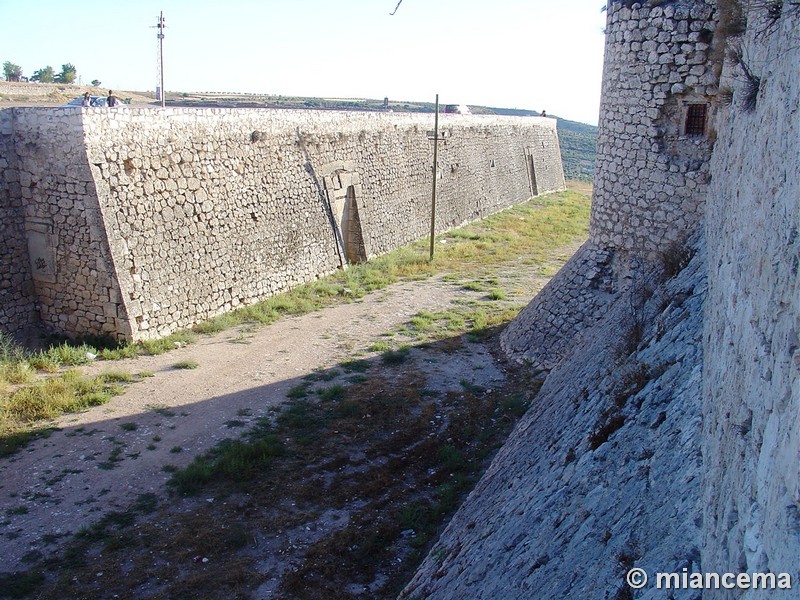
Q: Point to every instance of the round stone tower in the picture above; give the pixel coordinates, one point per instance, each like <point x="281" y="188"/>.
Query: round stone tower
<point x="654" y="143"/>
<point x="655" y="131"/>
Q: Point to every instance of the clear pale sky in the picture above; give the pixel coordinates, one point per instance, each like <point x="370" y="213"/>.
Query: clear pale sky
<point x="534" y="54"/>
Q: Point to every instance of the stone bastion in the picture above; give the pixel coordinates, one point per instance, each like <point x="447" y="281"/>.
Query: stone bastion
<point x="132" y="223"/>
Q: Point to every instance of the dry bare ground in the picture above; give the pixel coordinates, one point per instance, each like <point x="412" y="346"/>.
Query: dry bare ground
<point x="375" y="455"/>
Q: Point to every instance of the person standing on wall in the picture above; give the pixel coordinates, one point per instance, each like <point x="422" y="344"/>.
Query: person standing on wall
<point x="111" y="101"/>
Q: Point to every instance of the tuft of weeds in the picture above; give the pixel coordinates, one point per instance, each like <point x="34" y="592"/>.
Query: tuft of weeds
<point x="333" y="393"/>
<point x="380" y="346"/>
<point x="17" y="372"/>
<point x="129" y="426"/>
<point x="189" y="363"/>
<point x="396" y="357"/>
<point x="231" y="460"/>
<point x="301" y="390"/>
<point x="516" y="404"/>
<point x="450" y="458"/>
<point x="355" y="366"/>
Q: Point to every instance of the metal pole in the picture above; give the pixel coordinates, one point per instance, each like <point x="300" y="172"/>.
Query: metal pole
<point x="161" y="56"/>
<point x="435" y="169"/>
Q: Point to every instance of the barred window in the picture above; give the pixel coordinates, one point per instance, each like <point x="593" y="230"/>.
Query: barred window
<point x="695" y="119"/>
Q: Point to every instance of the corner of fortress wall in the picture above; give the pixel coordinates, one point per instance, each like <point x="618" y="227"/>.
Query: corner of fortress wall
<point x="675" y="448"/>
<point x="651" y="178"/>
<point x="137" y="222"/>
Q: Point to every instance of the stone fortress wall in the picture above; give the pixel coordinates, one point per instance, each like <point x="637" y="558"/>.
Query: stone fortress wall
<point x="667" y="434"/>
<point x="751" y="333"/>
<point x="140" y="221"/>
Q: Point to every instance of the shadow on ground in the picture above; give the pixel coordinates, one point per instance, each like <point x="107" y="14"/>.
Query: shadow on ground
<point x="336" y="487"/>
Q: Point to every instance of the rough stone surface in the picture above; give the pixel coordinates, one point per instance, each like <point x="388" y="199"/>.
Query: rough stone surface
<point x="142" y="221"/>
<point x="651" y="178"/>
<point x="17" y="299"/>
<point x="542" y="333"/>
<point x="751" y="442"/>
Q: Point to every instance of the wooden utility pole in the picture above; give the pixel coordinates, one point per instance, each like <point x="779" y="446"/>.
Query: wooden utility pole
<point x="435" y="170"/>
<point x="160" y="35"/>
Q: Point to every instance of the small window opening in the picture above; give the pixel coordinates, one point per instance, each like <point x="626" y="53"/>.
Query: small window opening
<point x="696" y="119"/>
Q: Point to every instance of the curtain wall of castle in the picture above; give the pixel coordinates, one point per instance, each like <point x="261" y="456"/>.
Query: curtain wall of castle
<point x="139" y="222"/>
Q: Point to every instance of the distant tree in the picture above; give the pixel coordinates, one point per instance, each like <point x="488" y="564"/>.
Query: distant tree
<point x="11" y="71"/>
<point x="68" y="74"/>
<point x="45" y="75"/>
<point x="96" y="82"/>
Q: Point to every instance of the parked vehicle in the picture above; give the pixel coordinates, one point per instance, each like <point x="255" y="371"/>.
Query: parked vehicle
<point x="456" y="109"/>
<point x="98" y="101"/>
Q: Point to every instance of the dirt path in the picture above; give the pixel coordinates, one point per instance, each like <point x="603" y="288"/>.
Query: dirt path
<point x="103" y="459"/>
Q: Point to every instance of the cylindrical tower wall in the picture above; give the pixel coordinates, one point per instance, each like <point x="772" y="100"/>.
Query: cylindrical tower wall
<point x="655" y="135"/>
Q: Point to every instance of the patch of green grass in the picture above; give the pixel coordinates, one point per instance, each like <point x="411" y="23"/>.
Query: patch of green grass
<point x="298" y="416"/>
<point x="471" y="388"/>
<point x="68" y="354"/>
<point x="474" y="286"/>
<point x="380" y="346"/>
<point x="333" y="393"/>
<point x="301" y="390"/>
<point x="230" y="460"/>
<point x="496" y="294"/>
<point x="515" y="405"/>
<point x="118" y="376"/>
<point x="22" y="411"/>
<point x="189" y="363"/>
<point x="114" y="457"/>
<point x="355" y="366"/>
<point x="396" y="357"/>
<point x="450" y="457"/>
<point x="17" y="372"/>
<point x="163" y="411"/>
<point x="17" y="510"/>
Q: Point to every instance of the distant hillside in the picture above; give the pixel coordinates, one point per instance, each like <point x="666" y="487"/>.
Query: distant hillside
<point x="578" y="142"/>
